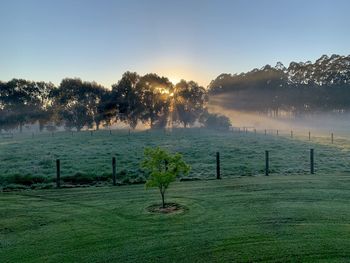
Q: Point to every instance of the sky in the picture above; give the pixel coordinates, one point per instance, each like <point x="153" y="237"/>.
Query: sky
<point x="98" y="40"/>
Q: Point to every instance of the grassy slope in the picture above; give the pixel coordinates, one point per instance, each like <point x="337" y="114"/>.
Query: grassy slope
<point x="241" y="219"/>
<point x="242" y="154"/>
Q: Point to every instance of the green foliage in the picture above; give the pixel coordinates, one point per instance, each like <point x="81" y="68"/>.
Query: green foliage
<point x="163" y="168"/>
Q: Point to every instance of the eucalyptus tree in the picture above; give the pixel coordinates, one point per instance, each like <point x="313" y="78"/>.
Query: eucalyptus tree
<point x="188" y="102"/>
<point x="23" y="101"/>
<point x="125" y="102"/>
<point x="155" y="98"/>
<point x="76" y="103"/>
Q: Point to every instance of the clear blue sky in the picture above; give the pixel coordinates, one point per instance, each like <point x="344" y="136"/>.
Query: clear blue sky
<point x="192" y="39"/>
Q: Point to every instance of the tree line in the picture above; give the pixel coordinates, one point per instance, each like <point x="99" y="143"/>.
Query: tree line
<point x="77" y="104"/>
<point x="270" y="91"/>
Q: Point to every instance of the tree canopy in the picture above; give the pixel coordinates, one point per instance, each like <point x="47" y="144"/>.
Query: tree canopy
<point x="76" y="104"/>
<point x="188" y="101"/>
<point x="163" y="168"/>
<point x="301" y="88"/>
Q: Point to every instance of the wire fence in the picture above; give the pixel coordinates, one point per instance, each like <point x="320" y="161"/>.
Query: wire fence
<point x="114" y="156"/>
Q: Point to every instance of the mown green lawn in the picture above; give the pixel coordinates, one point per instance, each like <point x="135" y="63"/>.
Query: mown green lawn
<point x="244" y="219"/>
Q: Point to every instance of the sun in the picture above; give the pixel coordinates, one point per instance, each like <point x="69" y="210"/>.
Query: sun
<point x="174" y="79"/>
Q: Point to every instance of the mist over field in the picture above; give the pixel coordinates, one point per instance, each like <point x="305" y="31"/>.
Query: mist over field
<point x="305" y="96"/>
<point x="321" y="124"/>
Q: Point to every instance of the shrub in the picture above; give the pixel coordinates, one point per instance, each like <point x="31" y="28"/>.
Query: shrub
<point x="26" y="179"/>
<point x="82" y="178"/>
<point x="213" y="120"/>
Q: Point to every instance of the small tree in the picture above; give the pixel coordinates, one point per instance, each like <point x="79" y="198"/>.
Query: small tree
<point x="163" y="168"/>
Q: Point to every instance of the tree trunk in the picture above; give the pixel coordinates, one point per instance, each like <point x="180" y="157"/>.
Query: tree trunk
<point x="163" y="201"/>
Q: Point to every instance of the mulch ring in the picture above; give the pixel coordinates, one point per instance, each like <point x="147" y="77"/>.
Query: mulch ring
<point x="168" y="209"/>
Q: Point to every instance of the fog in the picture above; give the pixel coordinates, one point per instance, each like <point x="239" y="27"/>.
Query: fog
<point x="321" y="124"/>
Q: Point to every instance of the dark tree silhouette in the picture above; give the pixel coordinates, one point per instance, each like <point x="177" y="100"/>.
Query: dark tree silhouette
<point x="125" y="102"/>
<point x="188" y="102"/>
<point x="299" y="89"/>
<point x="76" y="103"/>
<point x="155" y="92"/>
<point x="23" y="101"/>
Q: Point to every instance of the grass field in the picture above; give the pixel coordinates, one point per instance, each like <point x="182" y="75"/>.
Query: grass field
<point x="244" y="219"/>
<point x="86" y="158"/>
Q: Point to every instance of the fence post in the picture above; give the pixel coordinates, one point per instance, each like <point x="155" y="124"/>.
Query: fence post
<point x="58" y="173"/>
<point x="218" y="176"/>
<point x="254" y="131"/>
<point x="332" y="138"/>
<point x="266" y="163"/>
<point x="265" y="131"/>
<point x="291" y="134"/>
<point x="312" y="171"/>
<point x="309" y="136"/>
<point x="110" y="132"/>
<point x="114" y="171"/>
<point x="277" y="132"/>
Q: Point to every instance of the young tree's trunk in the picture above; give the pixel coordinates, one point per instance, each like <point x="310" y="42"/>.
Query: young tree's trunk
<point x="97" y="126"/>
<point x="166" y="165"/>
<point x="163" y="202"/>
<point x="162" y="192"/>
<point x="21" y="127"/>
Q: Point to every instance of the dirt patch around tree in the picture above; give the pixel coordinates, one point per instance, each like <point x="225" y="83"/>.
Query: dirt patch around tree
<point x="170" y="208"/>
